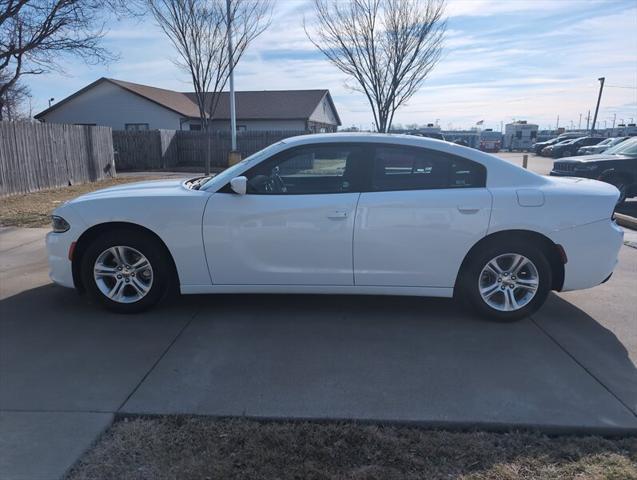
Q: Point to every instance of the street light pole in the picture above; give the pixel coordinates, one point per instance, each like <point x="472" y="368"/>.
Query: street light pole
<point x="233" y="112"/>
<point x="599" y="98"/>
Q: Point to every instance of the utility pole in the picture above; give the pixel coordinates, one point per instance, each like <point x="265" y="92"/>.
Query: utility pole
<point x="557" y="124"/>
<point x="599" y="98"/>
<point x="233" y="112"/>
<point x="588" y="119"/>
<point x="579" y="125"/>
<point x="614" y="118"/>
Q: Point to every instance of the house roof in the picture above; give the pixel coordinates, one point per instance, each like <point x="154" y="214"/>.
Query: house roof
<point x="251" y="105"/>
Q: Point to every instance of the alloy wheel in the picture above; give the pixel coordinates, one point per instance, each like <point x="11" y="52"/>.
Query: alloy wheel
<point x="123" y="274"/>
<point x="508" y="282"/>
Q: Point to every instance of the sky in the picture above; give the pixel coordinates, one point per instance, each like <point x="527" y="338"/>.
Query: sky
<point x="503" y="60"/>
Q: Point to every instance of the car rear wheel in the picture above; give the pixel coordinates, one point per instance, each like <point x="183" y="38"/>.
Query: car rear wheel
<point x="125" y="271"/>
<point x="507" y="282"/>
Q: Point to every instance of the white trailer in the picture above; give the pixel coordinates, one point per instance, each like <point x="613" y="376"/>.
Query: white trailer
<point x="519" y="136"/>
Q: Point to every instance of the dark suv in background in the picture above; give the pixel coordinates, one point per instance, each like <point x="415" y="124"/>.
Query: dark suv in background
<point x="539" y="146"/>
<point x="617" y="166"/>
<point x="570" y="147"/>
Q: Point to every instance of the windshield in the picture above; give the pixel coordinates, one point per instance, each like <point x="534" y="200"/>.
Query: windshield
<point x="628" y="147"/>
<point x="230" y="172"/>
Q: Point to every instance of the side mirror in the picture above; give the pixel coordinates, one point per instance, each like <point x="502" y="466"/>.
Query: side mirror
<point x="239" y="185"/>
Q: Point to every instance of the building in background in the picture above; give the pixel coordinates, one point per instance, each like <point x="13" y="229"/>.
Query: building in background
<point x="130" y="106"/>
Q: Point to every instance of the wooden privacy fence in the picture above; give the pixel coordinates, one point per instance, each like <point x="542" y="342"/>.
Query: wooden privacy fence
<point x="36" y="156"/>
<point x="166" y="149"/>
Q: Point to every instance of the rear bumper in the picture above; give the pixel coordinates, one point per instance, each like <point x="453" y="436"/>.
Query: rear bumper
<point x="592" y="252"/>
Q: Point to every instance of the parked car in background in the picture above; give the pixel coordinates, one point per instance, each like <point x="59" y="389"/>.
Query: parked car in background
<point x="601" y="146"/>
<point x="343" y="214"/>
<point x="570" y="147"/>
<point x="539" y="146"/>
<point x="617" y="166"/>
<point x="436" y="135"/>
<point x="490" y="141"/>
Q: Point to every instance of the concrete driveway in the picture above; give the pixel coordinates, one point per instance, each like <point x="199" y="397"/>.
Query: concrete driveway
<point x="66" y="368"/>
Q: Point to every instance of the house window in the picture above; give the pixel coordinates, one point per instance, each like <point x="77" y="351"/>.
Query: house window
<point x="135" y="127"/>
<point x="195" y="127"/>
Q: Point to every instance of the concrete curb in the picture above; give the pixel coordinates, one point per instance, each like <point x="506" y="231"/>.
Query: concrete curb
<point x="626" y="221"/>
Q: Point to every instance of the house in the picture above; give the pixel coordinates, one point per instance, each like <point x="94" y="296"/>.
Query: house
<point x="130" y="106"/>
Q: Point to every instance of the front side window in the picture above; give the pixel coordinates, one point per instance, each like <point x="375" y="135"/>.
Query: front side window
<point x="308" y="170"/>
<point x="408" y="168"/>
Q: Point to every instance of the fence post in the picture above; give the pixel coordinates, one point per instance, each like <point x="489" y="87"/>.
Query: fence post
<point x="525" y="161"/>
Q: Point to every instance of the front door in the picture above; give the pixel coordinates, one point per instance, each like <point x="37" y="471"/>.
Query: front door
<point x="424" y="211"/>
<point x="294" y="226"/>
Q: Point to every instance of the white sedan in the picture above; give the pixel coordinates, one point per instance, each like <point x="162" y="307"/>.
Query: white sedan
<point x="343" y="214"/>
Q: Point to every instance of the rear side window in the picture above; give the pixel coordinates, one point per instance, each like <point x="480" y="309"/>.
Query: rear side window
<point x="409" y="168"/>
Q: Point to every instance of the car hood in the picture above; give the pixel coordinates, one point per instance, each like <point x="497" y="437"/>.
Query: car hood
<point x="137" y="189"/>
<point x="594" y="158"/>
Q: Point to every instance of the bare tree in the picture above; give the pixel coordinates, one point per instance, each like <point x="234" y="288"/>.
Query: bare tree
<point x="35" y="34"/>
<point x="198" y="29"/>
<point x="387" y="47"/>
<point x="13" y="100"/>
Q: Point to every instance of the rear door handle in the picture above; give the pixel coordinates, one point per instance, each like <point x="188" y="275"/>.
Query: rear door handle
<point x="336" y="214"/>
<point x="467" y="210"/>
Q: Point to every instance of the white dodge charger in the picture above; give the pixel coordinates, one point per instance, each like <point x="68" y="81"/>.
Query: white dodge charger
<point x="343" y="214"/>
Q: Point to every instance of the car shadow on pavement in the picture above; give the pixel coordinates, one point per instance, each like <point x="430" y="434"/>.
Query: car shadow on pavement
<point x="311" y="356"/>
<point x="596" y="348"/>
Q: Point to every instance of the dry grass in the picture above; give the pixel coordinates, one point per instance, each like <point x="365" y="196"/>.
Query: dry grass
<point x="205" y="448"/>
<point x="34" y="209"/>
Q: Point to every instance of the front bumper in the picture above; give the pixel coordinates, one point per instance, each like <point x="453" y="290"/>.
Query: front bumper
<point x="592" y="251"/>
<point x="60" y="267"/>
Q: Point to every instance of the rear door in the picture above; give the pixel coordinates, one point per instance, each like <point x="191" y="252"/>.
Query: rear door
<point x="424" y="211"/>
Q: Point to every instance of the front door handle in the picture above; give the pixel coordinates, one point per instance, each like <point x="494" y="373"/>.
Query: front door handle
<point x="467" y="210"/>
<point x="336" y="214"/>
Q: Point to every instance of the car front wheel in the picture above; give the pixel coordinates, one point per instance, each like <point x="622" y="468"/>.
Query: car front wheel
<point x="507" y="282"/>
<point x="125" y="271"/>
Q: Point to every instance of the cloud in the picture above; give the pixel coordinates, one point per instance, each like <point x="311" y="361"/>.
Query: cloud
<point x="525" y="59"/>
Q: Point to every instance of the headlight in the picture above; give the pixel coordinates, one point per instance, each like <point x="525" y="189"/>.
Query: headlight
<point x="58" y="224"/>
<point x="585" y="168"/>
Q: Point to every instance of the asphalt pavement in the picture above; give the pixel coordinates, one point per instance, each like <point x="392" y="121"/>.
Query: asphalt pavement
<point x="67" y="368"/>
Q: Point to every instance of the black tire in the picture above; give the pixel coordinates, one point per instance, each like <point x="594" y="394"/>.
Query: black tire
<point x="147" y="245"/>
<point x="468" y="284"/>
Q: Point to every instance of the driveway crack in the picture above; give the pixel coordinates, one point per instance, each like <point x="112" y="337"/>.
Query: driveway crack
<point x="587" y="370"/>
<point x="159" y="359"/>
